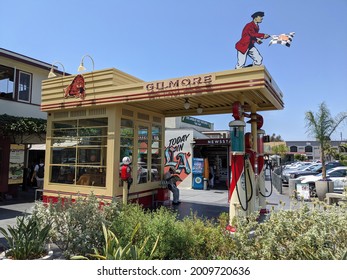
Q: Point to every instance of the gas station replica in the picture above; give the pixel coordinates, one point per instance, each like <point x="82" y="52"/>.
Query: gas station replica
<point x="98" y="118"/>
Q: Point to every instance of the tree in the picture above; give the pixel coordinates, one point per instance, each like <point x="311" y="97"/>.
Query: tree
<point x="276" y="138"/>
<point x="343" y="157"/>
<point x="18" y="128"/>
<point x="340" y="153"/>
<point x="281" y="149"/>
<point x="300" y="157"/>
<point x="322" y="125"/>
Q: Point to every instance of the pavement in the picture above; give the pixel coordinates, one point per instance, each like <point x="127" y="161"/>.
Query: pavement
<point x="211" y="203"/>
<point x="204" y="203"/>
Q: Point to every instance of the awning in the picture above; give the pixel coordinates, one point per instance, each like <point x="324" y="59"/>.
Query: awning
<point x="66" y="144"/>
<point x="37" y="147"/>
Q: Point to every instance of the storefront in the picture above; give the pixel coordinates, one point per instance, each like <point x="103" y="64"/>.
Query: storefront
<point x="96" y="119"/>
<point x="216" y="151"/>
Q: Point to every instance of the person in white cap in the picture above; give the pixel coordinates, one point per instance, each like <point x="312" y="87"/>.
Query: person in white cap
<point x="171" y="179"/>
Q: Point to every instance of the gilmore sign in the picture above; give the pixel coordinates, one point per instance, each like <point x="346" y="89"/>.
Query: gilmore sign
<point x="181" y="83"/>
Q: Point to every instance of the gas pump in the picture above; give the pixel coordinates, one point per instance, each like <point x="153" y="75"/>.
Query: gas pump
<point x="261" y="171"/>
<point x="237" y="189"/>
<point x="250" y="170"/>
<point x="261" y="168"/>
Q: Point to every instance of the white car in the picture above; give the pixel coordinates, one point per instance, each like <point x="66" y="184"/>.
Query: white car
<point x="336" y="174"/>
<point x="308" y="166"/>
<point x="296" y="165"/>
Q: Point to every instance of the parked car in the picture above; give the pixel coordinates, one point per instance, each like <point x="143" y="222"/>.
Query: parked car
<point x="336" y="174"/>
<point x="302" y="166"/>
<point x="333" y="164"/>
<point x="314" y="170"/>
<point x="296" y="165"/>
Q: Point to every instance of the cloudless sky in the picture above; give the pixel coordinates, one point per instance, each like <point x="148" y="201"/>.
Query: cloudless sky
<point x="158" y="39"/>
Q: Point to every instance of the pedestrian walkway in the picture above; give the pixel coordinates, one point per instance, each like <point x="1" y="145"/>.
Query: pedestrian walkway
<point x="204" y="203"/>
<point x="211" y="203"/>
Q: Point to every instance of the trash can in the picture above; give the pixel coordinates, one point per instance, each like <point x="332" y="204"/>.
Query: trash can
<point x="205" y="183"/>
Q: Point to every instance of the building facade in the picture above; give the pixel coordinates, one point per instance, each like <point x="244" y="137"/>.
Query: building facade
<point x="107" y="114"/>
<point x="312" y="148"/>
<point x="20" y="96"/>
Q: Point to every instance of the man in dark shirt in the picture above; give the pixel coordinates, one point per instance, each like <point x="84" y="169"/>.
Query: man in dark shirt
<point x="171" y="179"/>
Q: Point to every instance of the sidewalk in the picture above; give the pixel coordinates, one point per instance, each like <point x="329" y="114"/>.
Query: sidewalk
<point x="206" y="203"/>
<point x="211" y="203"/>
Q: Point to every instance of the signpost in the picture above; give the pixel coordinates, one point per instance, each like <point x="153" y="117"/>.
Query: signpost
<point x="303" y="191"/>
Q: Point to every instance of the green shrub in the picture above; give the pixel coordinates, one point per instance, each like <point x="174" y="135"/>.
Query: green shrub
<point x="113" y="250"/>
<point x="317" y="232"/>
<point x="173" y="236"/>
<point x="192" y="238"/>
<point x="77" y="225"/>
<point x="27" y="240"/>
<point x="208" y="239"/>
<point x="308" y="231"/>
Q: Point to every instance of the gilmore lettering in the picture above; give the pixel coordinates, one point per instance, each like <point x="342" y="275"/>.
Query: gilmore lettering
<point x="179" y="83"/>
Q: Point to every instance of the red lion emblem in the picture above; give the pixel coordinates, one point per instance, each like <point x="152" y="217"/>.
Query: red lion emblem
<point x="76" y="88"/>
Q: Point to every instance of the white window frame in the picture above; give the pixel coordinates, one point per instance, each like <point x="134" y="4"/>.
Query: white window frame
<point x="13" y="83"/>
<point x="19" y="84"/>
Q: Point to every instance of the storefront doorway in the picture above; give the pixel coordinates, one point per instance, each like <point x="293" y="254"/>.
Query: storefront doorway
<point x="216" y="151"/>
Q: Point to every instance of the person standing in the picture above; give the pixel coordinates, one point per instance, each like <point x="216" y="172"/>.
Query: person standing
<point x="171" y="179"/>
<point x="32" y="167"/>
<point x="211" y="177"/>
<point x="245" y="46"/>
<point x="39" y="173"/>
<point x="125" y="171"/>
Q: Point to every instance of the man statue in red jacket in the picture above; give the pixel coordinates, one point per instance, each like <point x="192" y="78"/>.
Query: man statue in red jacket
<point x="250" y="35"/>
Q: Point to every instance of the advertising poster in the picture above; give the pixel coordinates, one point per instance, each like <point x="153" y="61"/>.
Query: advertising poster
<point x="303" y="191"/>
<point x="16" y="167"/>
<point x="178" y="153"/>
<point x="198" y="165"/>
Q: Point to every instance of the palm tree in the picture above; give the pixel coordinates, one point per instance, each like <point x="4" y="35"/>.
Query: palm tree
<point x="321" y="126"/>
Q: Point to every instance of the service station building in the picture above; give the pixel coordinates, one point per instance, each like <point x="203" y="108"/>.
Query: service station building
<point x="115" y="114"/>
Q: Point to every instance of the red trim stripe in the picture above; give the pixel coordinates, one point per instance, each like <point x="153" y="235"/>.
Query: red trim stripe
<point x="237" y="168"/>
<point x="57" y="192"/>
<point x="158" y="94"/>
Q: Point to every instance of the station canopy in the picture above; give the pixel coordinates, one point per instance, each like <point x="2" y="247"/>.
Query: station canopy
<point x="214" y="92"/>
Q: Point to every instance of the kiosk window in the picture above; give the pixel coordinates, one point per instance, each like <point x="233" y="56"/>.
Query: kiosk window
<point x="126" y="141"/>
<point x="142" y="142"/>
<point x="142" y="154"/>
<point x="156" y="149"/>
<point x="79" y="152"/>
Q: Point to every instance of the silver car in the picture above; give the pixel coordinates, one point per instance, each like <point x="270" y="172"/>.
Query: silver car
<point x="337" y="174"/>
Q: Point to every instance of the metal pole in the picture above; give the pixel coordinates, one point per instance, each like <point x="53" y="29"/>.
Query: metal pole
<point x="125" y="192"/>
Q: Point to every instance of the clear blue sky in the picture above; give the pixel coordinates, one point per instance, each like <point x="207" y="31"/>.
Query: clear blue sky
<point x="156" y="39"/>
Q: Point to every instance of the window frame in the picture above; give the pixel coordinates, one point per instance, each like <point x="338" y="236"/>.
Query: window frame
<point x="70" y="171"/>
<point x="293" y="149"/>
<point x="18" y="82"/>
<point x="13" y="95"/>
<point x="309" y="149"/>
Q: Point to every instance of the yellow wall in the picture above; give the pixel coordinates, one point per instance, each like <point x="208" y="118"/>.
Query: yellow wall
<point x="114" y="115"/>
